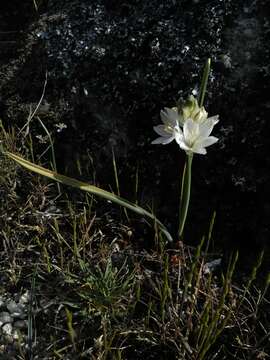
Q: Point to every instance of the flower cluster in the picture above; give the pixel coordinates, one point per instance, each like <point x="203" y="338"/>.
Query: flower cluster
<point x="189" y="126"/>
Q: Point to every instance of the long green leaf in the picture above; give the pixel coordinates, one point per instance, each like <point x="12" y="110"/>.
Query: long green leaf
<point x="88" y="188"/>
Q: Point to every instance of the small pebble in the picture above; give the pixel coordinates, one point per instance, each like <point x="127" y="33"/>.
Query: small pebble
<point x="5" y="318"/>
<point x="7" y="329"/>
<point x="24" y="299"/>
<point x="16" y="310"/>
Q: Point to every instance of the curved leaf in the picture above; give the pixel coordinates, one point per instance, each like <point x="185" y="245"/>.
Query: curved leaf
<point x="88" y="188"/>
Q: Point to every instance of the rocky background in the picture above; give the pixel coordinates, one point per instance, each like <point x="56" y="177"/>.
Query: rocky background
<point x="112" y="65"/>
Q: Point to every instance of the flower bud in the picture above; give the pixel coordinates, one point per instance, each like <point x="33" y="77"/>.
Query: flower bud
<point x="190" y="109"/>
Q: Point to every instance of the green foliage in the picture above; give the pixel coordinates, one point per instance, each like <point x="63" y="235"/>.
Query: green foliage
<point x="106" y="290"/>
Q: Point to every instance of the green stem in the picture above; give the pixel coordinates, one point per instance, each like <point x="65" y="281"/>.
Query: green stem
<point x="186" y="178"/>
<point x="185" y="194"/>
<point x="204" y="82"/>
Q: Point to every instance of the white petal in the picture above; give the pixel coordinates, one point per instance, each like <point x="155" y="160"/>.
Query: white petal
<point x="163" y="140"/>
<point x="163" y="116"/>
<point x="184" y="146"/>
<point x="162" y="130"/>
<point x="169" y="116"/>
<point x="201" y="115"/>
<point x="206" y="128"/>
<point x="168" y="140"/>
<point x="207" y="142"/>
<point x="198" y="149"/>
<point x="191" y="130"/>
<point x="179" y="136"/>
<point x="157" y="141"/>
<point x="173" y="115"/>
<point x="214" y="119"/>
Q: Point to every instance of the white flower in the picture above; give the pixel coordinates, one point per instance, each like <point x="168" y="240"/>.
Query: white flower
<point x="188" y="125"/>
<point x="195" y="135"/>
<point x="170" y="128"/>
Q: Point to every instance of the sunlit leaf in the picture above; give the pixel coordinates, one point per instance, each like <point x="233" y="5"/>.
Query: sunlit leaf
<point x="88" y="188"/>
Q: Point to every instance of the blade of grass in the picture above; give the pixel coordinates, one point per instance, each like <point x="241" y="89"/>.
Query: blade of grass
<point x="252" y="277"/>
<point x="35" y="5"/>
<point x="52" y="149"/>
<point x="32" y="114"/>
<point x="115" y="170"/>
<point x="71" y="331"/>
<point x="31" y="317"/>
<point x="215" y="326"/>
<point x="210" y="231"/>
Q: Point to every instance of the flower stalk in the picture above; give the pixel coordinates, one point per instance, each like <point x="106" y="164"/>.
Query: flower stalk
<point x="205" y="77"/>
<point x="187" y="172"/>
<point x="185" y="194"/>
<point x="189" y="125"/>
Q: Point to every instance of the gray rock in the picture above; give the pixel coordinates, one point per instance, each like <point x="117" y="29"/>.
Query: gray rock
<point x="7" y="329"/>
<point x="20" y="324"/>
<point x="5" y="318"/>
<point x="16" y="310"/>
